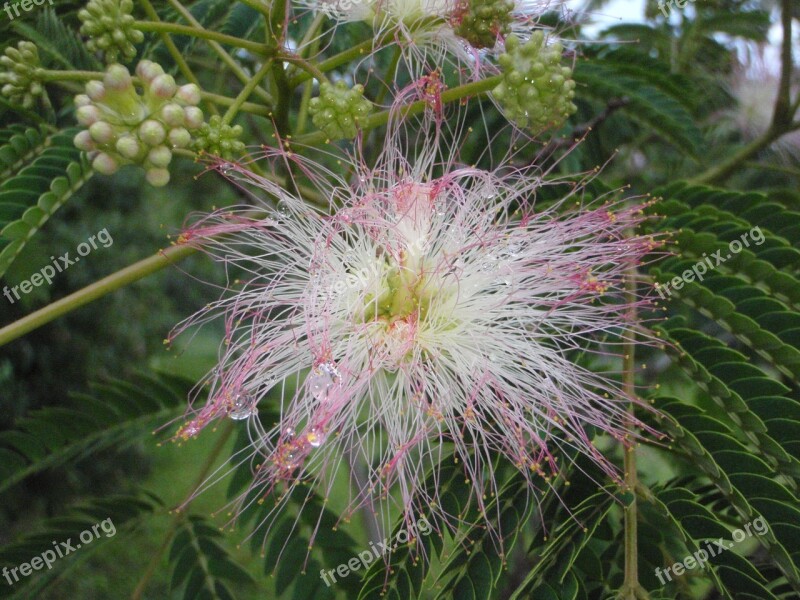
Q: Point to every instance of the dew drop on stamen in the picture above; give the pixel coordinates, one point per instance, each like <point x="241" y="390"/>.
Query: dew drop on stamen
<point x="243" y="407"/>
<point x="322" y="379"/>
<point x="315" y="437"/>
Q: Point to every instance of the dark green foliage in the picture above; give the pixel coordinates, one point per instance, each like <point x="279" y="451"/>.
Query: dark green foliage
<point x="39" y="175"/>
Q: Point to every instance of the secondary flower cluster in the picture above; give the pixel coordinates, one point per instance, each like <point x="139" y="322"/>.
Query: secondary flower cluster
<point x="108" y="24"/>
<point x="337" y="110"/>
<point x="19" y="81"/>
<point x="536" y="91"/>
<point x="125" y="127"/>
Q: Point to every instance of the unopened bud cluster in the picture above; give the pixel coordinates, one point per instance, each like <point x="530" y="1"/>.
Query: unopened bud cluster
<point x="19" y="79"/>
<point x="109" y="26"/>
<point x="536" y="92"/>
<point x="338" y="110"/>
<point x="125" y="127"/>
<point x="218" y="138"/>
<point x="482" y="22"/>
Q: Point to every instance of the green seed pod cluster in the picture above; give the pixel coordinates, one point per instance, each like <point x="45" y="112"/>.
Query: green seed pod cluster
<point x="109" y="26"/>
<point x="125" y="127"/>
<point x="481" y="22"/>
<point x="536" y="92"/>
<point x="218" y="138"/>
<point x="19" y="79"/>
<point x="337" y="110"/>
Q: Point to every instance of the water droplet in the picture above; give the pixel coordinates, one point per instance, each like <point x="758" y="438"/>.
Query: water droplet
<point x="289" y="432"/>
<point x="242" y="408"/>
<point x="322" y="379"/>
<point x="315" y="437"/>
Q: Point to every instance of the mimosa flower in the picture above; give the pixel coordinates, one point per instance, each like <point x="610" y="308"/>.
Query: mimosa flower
<point x="433" y="33"/>
<point x="431" y="309"/>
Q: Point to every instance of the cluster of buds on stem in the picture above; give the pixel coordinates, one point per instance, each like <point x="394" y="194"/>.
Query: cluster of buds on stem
<point x="127" y="128"/>
<point x="20" y="79"/>
<point x="218" y="138"/>
<point x="537" y="91"/>
<point x="482" y="22"/>
<point x="338" y="110"/>
<point x="109" y="26"/>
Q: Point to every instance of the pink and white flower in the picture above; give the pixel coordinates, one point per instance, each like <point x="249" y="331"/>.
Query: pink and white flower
<point x="430" y="310"/>
<point x="434" y="33"/>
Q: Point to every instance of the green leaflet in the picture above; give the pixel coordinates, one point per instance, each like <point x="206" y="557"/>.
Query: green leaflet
<point x="114" y="415"/>
<point x="41" y="175"/>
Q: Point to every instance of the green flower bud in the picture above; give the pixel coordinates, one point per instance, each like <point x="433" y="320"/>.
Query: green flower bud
<point x="137" y="123"/>
<point x="482" y="22"/>
<point x="101" y="132"/>
<point x="220" y="139"/>
<point x="172" y="115"/>
<point x="105" y="164"/>
<point x="82" y="100"/>
<point x="95" y="90"/>
<point x="180" y="138"/>
<point x="129" y="147"/>
<point x="188" y="94"/>
<point x="192" y="117"/>
<point x="87" y="115"/>
<point x="160" y="156"/>
<point x="157" y="177"/>
<point x="152" y="133"/>
<point x="117" y="78"/>
<point x="20" y="77"/>
<point x="536" y="92"/>
<point x="83" y="141"/>
<point x="109" y="26"/>
<point x="338" y="110"/>
<point x="148" y="70"/>
<point x="163" y="86"/>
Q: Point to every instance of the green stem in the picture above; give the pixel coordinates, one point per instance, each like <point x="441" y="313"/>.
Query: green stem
<point x="246" y="91"/>
<point x="721" y="172"/>
<point x="390" y="73"/>
<point x="250" y="107"/>
<point x="305" y="101"/>
<point x="303" y="64"/>
<point x="256" y="5"/>
<point x="474" y="88"/>
<point x="783" y="112"/>
<point x="180" y="515"/>
<point x="94" y="291"/>
<point x="782" y="116"/>
<point x="312" y="31"/>
<point x="220" y="51"/>
<point x="631" y="588"/>
<point x="205" y="34"/>
<point x="335" y="61"/>
<point x="83" y="76"/>
<point x="302" y="113"/>
<point x="176" y="55"/>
